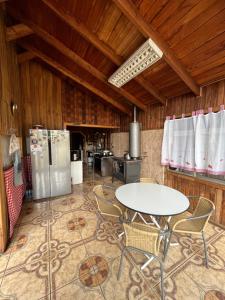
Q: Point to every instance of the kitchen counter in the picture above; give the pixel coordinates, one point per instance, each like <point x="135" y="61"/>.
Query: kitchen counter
<point x="77" y="171"/>
<point x="103" y="165"/>
<point x="122" y="159"/>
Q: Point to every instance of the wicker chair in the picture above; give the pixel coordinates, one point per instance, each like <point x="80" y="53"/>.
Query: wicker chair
<point x="194" y="224"/>
<point x="148" y="180"/>
<point x="106" y="205"/>
<point x="144" y="239"/>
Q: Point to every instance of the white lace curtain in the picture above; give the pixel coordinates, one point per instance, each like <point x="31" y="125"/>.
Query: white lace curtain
<point x="196" y="143"/>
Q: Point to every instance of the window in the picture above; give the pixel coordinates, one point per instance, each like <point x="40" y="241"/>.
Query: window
<point x="196" y="145"/>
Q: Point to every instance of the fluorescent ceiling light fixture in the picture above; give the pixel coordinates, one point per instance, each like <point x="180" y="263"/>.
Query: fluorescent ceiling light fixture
<point x="148" y="54"/>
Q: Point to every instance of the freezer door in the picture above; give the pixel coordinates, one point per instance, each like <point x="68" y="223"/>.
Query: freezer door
<point x="60" y="168"/>
<point x="40" y="163"/>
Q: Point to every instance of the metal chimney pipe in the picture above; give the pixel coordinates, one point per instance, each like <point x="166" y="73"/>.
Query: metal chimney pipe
<point x="135" y="114"/>
<point x="135" y="138"/>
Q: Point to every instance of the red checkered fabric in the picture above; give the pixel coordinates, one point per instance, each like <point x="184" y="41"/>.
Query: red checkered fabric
<point x="27" y="171"/>
<point x="14" y="198"/>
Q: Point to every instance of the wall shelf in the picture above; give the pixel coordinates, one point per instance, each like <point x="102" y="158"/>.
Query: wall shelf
<point x="89" y="125"/>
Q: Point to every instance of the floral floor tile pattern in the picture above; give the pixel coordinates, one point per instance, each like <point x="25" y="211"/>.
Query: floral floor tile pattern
<point x="63" y="248"/>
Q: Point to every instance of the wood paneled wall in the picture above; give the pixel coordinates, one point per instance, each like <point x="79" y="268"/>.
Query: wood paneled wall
<point x="41" y="96"/>
<point x="81" y="107"/>
<point x="9" y="92"/>
<point x="9" y="84"/>
<point x="50" y="101"/>
<point x="211" y="96"/>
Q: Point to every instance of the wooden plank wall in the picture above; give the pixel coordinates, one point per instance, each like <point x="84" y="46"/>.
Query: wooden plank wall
<point x="41" y="96"/>
<point x="79" y="106"/>
<point x="212" y="96"/>
<point x="9" y="84"/>
<point x="9" y="91"/>
<point x="194" y="186"/>
<point x="50" y="101"/>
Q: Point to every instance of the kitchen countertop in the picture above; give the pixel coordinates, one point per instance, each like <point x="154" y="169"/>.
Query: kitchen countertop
<point x="122" y="159"/>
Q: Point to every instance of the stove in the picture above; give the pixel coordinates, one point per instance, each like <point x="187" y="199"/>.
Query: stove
<point x="127" y="171"/>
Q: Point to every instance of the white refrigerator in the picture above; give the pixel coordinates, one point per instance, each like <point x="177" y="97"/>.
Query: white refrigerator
<point x="50" y="159"/>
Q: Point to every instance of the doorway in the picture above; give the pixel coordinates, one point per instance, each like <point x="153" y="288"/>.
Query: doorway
<point x="77" y="145"/>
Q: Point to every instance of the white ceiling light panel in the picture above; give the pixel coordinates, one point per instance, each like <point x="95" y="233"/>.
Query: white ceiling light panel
<point x="144" y="57"/>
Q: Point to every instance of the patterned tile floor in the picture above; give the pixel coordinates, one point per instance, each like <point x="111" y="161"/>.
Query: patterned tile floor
<point x="64" y="249"/>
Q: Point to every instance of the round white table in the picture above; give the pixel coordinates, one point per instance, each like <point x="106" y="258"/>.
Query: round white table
<point x="152" y="199"/>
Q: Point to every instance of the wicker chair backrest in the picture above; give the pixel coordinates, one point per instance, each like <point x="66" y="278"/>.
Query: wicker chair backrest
<point x="141" y="239"/>
<point x="104" y="206"/>
<point x="205" y="208"/>
<point x="148" y="180"/>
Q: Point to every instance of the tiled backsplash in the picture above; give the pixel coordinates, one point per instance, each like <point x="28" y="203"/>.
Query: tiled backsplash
<point x="151" y="142"/>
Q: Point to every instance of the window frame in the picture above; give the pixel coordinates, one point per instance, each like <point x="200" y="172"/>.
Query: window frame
<point x="201" y="176"/>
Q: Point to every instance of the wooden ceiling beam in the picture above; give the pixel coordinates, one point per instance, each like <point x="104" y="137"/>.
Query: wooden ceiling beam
<point x="76" y="78"/>
<point x="132" y="13"/>
<point x="17" y="31"/>
<point x="25" y="56"/>
<point x="103" y="47"/>
<point x="81" y="62"/>
<point x="84" y="31"/>
<point x="152" y="89"/>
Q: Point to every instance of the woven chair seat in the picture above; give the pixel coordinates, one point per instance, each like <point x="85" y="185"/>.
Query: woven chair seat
<point x="117" y="203"/>
<point x="111" y="210"/>
<point x="203" y="207"/>
<point x="121" y="206"/>
<point x="192" y="226"/>
<point x="107" y="204"/>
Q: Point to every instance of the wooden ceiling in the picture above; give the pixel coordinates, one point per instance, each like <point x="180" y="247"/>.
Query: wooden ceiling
<point x="87" y="40"/>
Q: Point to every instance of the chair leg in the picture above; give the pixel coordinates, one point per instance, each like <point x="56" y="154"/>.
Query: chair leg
<point x="158" y="219"/>
<point x="121" y="262"/>
<point x="121" y="234"/>
<point x="121" y="219"/>
<point x="134" y="216"/>
<point x="127" y="218"/>
<point x="205" y="250"/>
<point x="167" y="244"/>
<point x="162" y="281"/>
<point x="150" y="259"/>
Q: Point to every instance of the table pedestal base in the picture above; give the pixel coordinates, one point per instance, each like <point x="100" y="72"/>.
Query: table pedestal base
<point x="150" y="259"/>
<point x="154" y="221"/>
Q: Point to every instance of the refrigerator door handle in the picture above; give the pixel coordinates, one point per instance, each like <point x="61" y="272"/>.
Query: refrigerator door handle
<point x="50" y="151"/>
